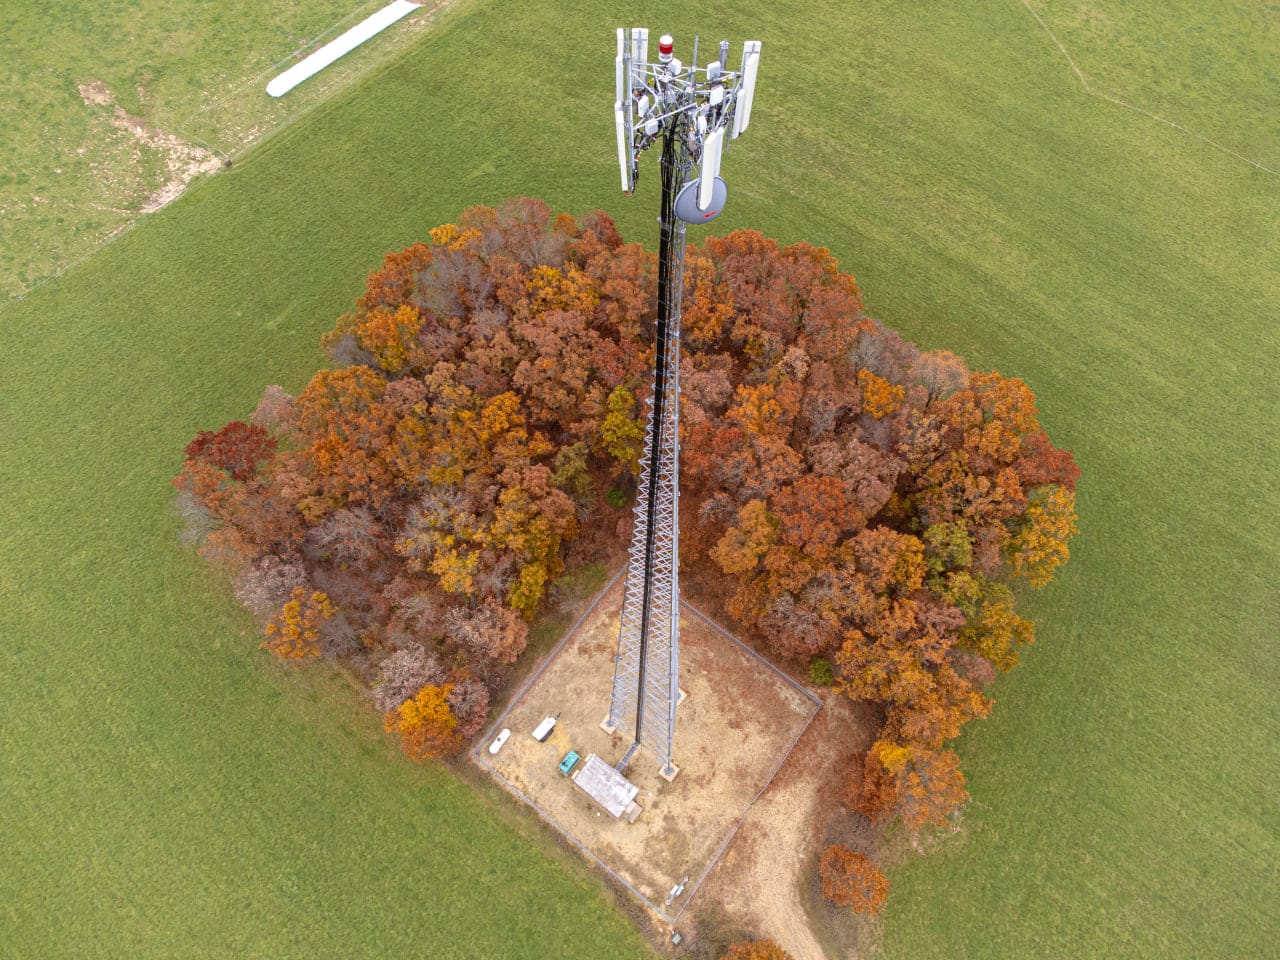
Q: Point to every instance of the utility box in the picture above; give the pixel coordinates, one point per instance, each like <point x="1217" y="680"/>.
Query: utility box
<point x="605" y="785"/>
<point x="543" y="730"/>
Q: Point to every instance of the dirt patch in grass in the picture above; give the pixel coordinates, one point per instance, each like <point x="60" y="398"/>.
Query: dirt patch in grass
<point x="179" y="162"/>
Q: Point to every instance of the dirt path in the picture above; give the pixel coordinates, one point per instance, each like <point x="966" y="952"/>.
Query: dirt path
<point x="761" y="881"/>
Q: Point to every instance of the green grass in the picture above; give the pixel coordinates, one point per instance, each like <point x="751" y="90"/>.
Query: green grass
<point x="167" y="790"/>
<point x="192" y="70"/>
<point x="1213" y="73"/>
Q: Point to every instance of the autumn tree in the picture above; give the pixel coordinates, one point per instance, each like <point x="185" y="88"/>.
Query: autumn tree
<point x="922" y="787"/>
<point x="468" y="700"/>
<point x="403" y="674"/>
<point x="426" y="724"/>
<point x="237" y="449"/>
<point x="621" y="432"/>
<point x="850" y="880"/>
<point x="266" y="583"/>
<point x="489" y="630"/>
<point x="294" y="632"/>
<point x="851" y="500"/>
<point x="755" y="950"/>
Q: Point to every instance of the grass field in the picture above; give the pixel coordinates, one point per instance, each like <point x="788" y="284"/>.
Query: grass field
<point x="74" y="173"/>
<point x="169" y="791"/>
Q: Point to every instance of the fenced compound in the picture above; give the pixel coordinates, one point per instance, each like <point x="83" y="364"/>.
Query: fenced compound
<point x="741" y="720"/>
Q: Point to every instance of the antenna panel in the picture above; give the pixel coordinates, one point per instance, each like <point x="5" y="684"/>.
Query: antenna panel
<point x="619" y="85"/>
<point x="747" y="91"/>
<point x="711" y="151"/>
<point x="639" y="47"/>
<point x="624" y="146"/>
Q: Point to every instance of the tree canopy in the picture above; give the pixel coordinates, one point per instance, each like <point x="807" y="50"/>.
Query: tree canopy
<point x="863" y="501"/>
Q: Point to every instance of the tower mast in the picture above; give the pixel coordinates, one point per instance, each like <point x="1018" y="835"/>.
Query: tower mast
<point x="688" y="110"/>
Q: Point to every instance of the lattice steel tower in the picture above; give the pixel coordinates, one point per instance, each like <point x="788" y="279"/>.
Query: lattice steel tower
<point x="688" y="108"/>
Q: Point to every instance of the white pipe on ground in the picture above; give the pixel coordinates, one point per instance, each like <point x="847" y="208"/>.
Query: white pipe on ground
<point x="339" y="46"/>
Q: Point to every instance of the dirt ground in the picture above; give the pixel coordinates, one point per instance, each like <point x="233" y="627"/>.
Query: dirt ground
<point x="736" y="725"/>
<point x="181" y="162"/>
<point x="764" y="877"/>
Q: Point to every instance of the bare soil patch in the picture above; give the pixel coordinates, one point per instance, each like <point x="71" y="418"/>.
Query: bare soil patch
<point x="764" y="880"/>
<point x="737" y="724"/>
<point x="180" y="161"/>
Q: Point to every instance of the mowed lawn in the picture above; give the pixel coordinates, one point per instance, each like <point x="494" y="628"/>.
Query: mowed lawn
<point x="167" y="790"/>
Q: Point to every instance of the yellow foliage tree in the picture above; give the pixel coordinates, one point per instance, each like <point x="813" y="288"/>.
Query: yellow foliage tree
<point x="426" y="725"/>
<point x="1040" y="545"/>
<point x="994" y="629"/>
<point x="456" y="570"/>
<point x="879" y="397"/>
<point x="740" y="549"/>
<point x="528" y="589"/>
<point x="294" y="632"/>
<point x="622" y="434"/>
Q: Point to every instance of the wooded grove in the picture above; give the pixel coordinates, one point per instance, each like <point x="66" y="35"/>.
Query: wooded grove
<point x="859" y="500"/>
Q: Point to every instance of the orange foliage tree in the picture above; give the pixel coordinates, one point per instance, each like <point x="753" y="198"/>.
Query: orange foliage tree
<point x="850" y="880"/>
<point x="425" y="723"/>
<point x="755" y="950"/>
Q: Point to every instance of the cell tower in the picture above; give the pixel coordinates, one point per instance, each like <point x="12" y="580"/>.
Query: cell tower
<point x="689" y="109"/>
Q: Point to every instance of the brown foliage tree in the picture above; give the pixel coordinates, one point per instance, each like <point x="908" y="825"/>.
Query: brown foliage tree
<point x="488" y="630"/>
<point x="403" y="674"/>
<point x="469" y="702"/>
<point x="265" y="584"/>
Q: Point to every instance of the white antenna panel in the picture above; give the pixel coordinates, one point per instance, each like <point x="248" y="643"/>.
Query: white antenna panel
<point x="639" y="47"/>
<point x="624" y="146"/>
<point x="712" y="148"/>
<point x="747" y="92"/>
<point x="619" y="88"/>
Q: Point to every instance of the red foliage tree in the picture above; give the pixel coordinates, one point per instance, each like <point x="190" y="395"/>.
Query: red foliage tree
<point x="238" y="449"/>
